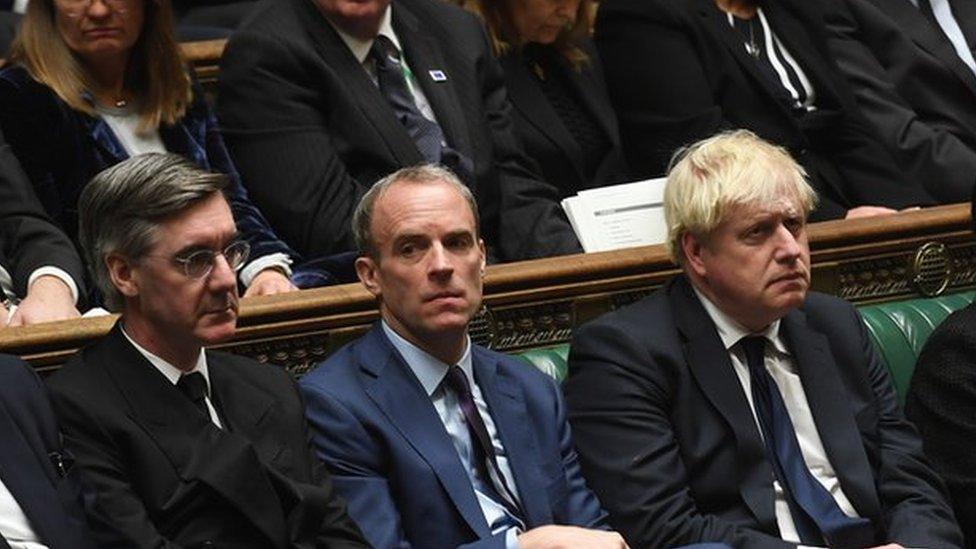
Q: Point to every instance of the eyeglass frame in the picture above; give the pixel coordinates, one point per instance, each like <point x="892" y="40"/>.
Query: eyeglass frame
<point x="82" y="6"/>
<point x="185" y="261"/>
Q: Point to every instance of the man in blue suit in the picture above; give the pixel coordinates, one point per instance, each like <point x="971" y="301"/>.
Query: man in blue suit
<point x="433" y="441"/>
<point x="40" y="495"/>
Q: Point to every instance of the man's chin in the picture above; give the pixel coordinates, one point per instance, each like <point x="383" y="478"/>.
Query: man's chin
<point x="219" y="331"/>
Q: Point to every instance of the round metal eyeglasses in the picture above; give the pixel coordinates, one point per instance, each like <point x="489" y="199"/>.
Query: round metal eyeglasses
<point x="201" y="263"/>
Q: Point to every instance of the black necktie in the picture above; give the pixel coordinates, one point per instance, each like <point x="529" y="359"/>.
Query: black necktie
<point x="815" y="512"/>
<point x="425" y="133"/>
<point x="484" y="450"/>
<point x="194" y="387"/>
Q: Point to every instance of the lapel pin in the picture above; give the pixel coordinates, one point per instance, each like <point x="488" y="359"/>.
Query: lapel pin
<point x="437" y="76"/>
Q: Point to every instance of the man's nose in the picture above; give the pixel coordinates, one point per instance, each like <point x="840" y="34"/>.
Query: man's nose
<point x="222" y="276"/>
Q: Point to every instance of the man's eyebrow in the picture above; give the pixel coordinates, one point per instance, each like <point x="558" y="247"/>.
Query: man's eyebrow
<point x="196" y="247"/>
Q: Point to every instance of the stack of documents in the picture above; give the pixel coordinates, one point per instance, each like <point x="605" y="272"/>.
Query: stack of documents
<point x="621" y="216"/>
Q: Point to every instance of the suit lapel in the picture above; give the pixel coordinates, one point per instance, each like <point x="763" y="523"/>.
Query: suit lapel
<point x="30" y="484"/>
<point x="832" y="414"/>
<point x="931" y="39"/>
<point x="506" y="402"/>
<point x="965" y="14"/>
<point x="425" y="55"/>
<point x="711" y="367"/>
<point x="105" y="140"/>
<point x="718" y="23"/>
<point x="197" y="449"/>
<point x="529" y="100"/>
<point x="395" y="390"/>
<point x="361" y="89"/>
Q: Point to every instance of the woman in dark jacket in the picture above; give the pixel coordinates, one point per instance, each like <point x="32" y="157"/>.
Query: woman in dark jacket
<point x="563" y="114"/>
<point x="90" y="83"/>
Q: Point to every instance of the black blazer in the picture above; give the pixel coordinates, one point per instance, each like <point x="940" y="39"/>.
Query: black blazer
<point x="677" y="73"/>
<point x="165" y="476"/>
<point x="545" y="137"/>
<point x="912" y="87"/>
<point x="668" y="441"/>
<point x="942" y="402"/>
<point x="310" y="131"/>
<point x="33" y="466"/>
<point x="29" y="239"/>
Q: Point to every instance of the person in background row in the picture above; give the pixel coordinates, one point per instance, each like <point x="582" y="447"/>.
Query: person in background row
<point x="681" y="70"/>
<point x="182" y="446"/>
<point x="319" y="99"/>
<point x="91" y="83"/>
<point x="434" y="441"/>
<point x="554" y="77"/>
<point x="35" y="254"/>
<point x="912" y="86"/>
<point x="733" y="405"/>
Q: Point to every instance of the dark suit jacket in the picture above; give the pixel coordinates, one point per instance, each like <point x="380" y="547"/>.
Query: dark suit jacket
<point x="28" y="238"/>
<point x="49" y="494"/>
<point x="668" y="441"/>
<point x="544" y="135"/>
<point x="677" y="73"/>
<point x="310" y="131"/>
<point x="62" y="149"/>
<point x="912" y="87"/>
<point x="167" y="477"/>
<point x="394" y="462"/>
<point x="942" y="402"/>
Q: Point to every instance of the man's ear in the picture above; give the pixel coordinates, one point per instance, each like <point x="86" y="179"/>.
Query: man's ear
<point x="484" y="255"/>
<point x="367" y="271"/>
<point x="692" y="248"/>
<point x="124" y="277"/>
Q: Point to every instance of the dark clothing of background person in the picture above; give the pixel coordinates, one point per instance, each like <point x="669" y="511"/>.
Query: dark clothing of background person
<point x="564" y="118"/>
<point x="29" y="239"/>
<point x="942" y="403"/>
<point x="668" y="440"/>
<point x="912" y="87"/>
<point x="61" y="149"/>
<point x="310" y="131"/>
<point x="678" y="72"/>
<point x="166" y="476"/>
<point x="34" y="468"/>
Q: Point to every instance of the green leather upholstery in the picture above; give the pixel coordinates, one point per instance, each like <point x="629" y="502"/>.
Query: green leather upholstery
<point x="899" y="330"/>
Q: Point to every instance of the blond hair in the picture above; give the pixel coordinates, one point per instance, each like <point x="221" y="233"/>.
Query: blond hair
<point x="501" y="29"/>
<point x="155" y="73"/>
<point x="708" y="179"/>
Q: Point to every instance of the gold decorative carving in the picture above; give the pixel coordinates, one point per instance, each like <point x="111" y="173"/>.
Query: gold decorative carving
<point x="931" y="269"/>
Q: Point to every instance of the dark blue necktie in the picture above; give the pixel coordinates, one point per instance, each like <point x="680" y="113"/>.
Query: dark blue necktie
<point x="425" y="133"/>
<point x="815" y="512"/>
<point x="194" y="387"/>
<point x="484" y="450"/>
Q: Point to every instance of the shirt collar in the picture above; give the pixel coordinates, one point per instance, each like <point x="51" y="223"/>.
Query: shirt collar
<point x="430" y="371"/>
<point x="360" y="48"/>
<point x="172" y="373"/>
<point x="731" y="331"/>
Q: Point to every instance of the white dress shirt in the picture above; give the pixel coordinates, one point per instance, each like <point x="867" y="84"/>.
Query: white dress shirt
<point x="173" y="374"/>
<point x="431" y="372"/>
<point x="14" y="526"/>
<point x="780" y="365"/>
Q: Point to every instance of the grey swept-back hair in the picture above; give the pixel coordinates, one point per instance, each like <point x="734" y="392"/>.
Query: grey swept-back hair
<point x="121" y="208"/>
<point x="362" y="218"/>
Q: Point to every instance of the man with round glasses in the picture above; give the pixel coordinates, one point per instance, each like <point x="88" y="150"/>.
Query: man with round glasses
<point x="184" y="446"/>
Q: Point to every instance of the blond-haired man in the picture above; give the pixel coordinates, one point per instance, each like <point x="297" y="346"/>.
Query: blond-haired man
<point x="734" y="405"/>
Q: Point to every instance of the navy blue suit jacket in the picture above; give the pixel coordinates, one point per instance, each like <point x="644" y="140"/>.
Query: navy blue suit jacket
<point x="668" y="439"/>
<point x="392" y="459"/>
<point x="49" y="495"/>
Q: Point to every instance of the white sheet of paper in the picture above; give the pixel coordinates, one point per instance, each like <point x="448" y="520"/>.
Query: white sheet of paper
<point x="619" y="216"/>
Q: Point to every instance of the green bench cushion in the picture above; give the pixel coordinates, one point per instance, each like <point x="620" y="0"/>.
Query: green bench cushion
<point x="899" y="330"/>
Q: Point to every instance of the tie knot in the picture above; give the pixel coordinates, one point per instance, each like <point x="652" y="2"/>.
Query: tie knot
<point x="193" y="385"/>
<point x="755" y="349"/>
<point x="384" y="52"/>
<point x="457" y="381"/>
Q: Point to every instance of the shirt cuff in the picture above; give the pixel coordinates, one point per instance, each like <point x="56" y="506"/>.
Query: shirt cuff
<point x="277" y="260"/>
<point x="58" y="273"/>
<point x="511" y="538"/>
<point x="7" y="284"/>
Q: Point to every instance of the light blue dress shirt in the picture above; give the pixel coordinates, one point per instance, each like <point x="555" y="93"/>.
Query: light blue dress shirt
<point x="430" y="372"/>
